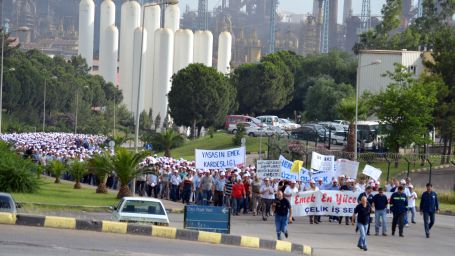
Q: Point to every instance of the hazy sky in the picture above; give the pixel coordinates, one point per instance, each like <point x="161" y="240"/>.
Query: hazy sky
<point x="299" y="6"/>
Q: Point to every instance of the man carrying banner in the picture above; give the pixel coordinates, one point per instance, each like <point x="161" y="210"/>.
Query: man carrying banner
<point x="399" y="207"/>
<point x="282" y="209"/>
<point x="362" y="210"/>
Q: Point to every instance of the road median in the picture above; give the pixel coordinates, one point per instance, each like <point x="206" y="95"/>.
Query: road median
<point x="153" y="231"/>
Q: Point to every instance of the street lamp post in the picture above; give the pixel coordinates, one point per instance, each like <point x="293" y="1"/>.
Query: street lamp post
<point x="136" y="134"/>
<point x="20" y="29"/>
<point x="359" y="67"/>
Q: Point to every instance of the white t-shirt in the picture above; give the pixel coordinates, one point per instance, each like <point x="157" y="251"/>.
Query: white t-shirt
<point x="267" y="191"/>
<point x="292" y="191"/>
<point x="412" y="199"/>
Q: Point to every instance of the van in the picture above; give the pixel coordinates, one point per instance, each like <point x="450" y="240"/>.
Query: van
<point x="269" y="120"/>
<point x="233" y="120"/>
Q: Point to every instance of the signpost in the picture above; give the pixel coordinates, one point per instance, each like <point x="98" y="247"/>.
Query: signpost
<point x="207" y="218"/>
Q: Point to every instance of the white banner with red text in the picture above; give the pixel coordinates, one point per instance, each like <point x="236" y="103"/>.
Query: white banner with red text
<point x="325" y="202"/>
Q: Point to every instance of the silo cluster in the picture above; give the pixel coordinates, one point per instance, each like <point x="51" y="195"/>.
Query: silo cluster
<point x="148" y="56"/>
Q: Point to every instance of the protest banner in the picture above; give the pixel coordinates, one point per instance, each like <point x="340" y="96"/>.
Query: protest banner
<point x="325" y="202"/>
<point x="321" y="162"/>
<point x="286" y="173"/>
<point x="372" y="172"/>
<point x="268" y="169"/>
<point x="347" y="168"/>
<point x="326" y="176"/>
<point x="220" y="159"/>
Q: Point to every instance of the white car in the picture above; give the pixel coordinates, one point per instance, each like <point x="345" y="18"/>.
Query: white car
<point x="339" y="137"/>
<point x="140" y="209"/>
<point x="249" y="126"/>
<point x="288" y="125"/>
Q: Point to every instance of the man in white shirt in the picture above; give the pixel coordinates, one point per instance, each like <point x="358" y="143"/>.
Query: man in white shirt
<point x="175" y="183"/>
<point x="289" y="192"/>
<point x="412" y="203"/>
<point x="268" y="195"/>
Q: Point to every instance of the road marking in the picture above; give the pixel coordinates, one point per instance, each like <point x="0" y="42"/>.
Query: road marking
<point x="249" y="241"/>
<point x="114" y="227"/>
<point x="7" y="218"/>
<point x="59" y="222"/>
<point x="307" y="250"/>
<point x="164" y="232"/>
<point x="283" y="246"/>
<point x="209" y="237"/>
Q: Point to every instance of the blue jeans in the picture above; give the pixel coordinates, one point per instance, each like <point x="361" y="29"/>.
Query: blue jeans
<point x="281" y="224"/>
<point x="206" y="196"/>
<point x="428" y="221"/>
<point x="174" y="192"/>
<point x="236" y="205"/>
<point x="412" y="210"/>
<point x="246" y="204"/>
<point x="380" y="217"/>
<point x="198" y="197"/>
<point x="362" y="239"/>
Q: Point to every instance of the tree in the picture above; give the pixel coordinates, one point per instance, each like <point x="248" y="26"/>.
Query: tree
<point x="262" y="87"/>
<point x="200" y="96"/>
<point x="346" y="111"/>
<point x="77" y="169"/>
<point x="101" y="166"/>
<point x="167" y="140"/>
<point x="406" y="108"/>
<point x="56" y="167"/>
<point x="126" y="166"/>
<point x="323" y="97"/>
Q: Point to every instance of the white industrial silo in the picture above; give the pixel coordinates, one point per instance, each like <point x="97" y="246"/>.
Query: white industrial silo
<point x="203" y="47"/>
<point x="110" y="54"/>
<point x="107" y="19"/>
<point x="224" y="52"/>
<point x="152" y="19"/>
<point x="130" y="20"/>
<point x="172" y="17"/>
<point x="183" y="49"/>
<point x="164" y="52"/>
<point x="86" y="30"/>
<point x="140" y="43"/>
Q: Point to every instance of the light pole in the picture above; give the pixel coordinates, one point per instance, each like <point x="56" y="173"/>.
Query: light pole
<point x="44" y="102"/>
<point x="20" y="29"/>
<point x="359" y="67"/>
<point x="138" y="115"/>
<point x="77" y="108"/>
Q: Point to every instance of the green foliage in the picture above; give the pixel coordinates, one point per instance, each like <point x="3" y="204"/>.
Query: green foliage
<point x="100" y="165"/>
<point x="237" y="139"/>
<point x="56" y="167"/>
<point x="167" y="140"/>
<point x="262" y="87"/>
<point x="323" y="97"/>
<point x="211" y="131"/>
<point x="16" y="174"/>
<point x="406" y="108"/>
<point x="77" y="169"/>
<point x="200" y="96"/>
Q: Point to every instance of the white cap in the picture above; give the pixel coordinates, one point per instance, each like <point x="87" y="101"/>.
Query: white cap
<point x="222" y="173"/>
<point x="312" y="181"/>
<point x="402" y="181"/>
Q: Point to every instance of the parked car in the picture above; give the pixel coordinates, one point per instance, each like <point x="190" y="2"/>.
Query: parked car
<point x="7" y="203"/>
<point x="288" y="125"/>
<point x="254" y="130"/>
<point x="269" y="120"/>
<point x="333" y="126"/>
<point x="235" y="119"/>
<point x="343" y="123"/>
<point x="339" y="138"/>
<point x="140" y="209"/>
<point x="309" y="132"/>
<point x="247" y="125"/>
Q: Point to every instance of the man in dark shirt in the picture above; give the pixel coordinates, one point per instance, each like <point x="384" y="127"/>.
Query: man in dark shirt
<point x="368" y="194"/>
<point x="429" y="205"/>
<point x="281" y="207"/>
<point x="399" y="207"/>
<point x="380" y="211"/>
<point x="362" y="210"/>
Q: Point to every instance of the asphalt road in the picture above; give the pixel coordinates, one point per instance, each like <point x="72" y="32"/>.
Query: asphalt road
<point x="33" y="241"/>
<point x="326" y="239"/>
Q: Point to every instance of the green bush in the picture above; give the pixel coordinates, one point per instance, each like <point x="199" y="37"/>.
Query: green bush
<point x="16" y="174"/>
<point x="237" y="139"/>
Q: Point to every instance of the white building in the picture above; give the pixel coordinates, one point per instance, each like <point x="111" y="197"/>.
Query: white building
<point x="371" y="75"/>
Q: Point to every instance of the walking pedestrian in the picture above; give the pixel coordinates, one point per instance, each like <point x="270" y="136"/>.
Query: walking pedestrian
<point x="399" y="207"/>
<point x="429" y="205"/>
<point x="238" y="195"/>
<point x="368" y="194"/>
<point x="362" y="210"/>
<point x="412" y="203"/>
<point x="282" y="209"/>
<point x="218" y="197"/>
<point x="268" y="195"/>
<point x="380" y="212"/>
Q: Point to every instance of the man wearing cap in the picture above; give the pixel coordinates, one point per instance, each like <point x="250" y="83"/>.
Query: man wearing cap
<point x="313" y="218"/>
<point x="196" y="184"/>
<point x="218" y="196"/>
<point x="175" y="183"/>
<point x="256" y="189"/>
<point x="206" y="188"/>
<point x="412" y="203"/>
<point x="399" y="208"/>
<point x="429" y="205"/>
<point x="268" y="195"/>
<point x="290" y="191"/>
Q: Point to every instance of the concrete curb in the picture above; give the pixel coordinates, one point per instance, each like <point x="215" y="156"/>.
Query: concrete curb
<point x="153" y="231"/>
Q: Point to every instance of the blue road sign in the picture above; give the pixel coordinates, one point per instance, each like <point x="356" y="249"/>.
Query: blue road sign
<point x="148" y="146"/>
<point x="207" y="218"/>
